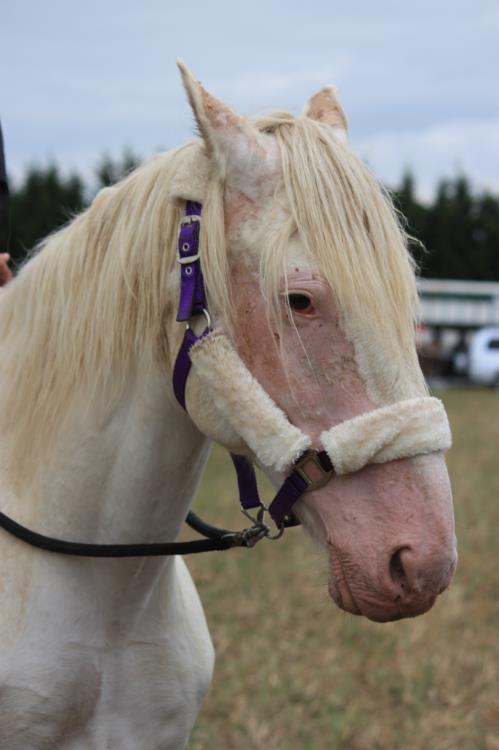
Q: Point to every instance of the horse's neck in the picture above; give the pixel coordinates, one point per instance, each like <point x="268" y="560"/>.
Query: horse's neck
<point x="128" y="478"/>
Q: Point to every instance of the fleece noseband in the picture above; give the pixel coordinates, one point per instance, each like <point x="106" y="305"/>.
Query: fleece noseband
<point x="406" y="428"/>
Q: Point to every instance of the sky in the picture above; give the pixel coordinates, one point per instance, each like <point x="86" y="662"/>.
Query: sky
<point x="417" y="80"/>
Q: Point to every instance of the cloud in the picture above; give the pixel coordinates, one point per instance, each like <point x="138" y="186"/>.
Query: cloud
<point x="469" y="146"/>
<point x="415" y="79"/>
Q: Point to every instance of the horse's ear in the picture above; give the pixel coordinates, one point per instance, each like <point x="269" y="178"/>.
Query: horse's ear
<point x="325" y="107"/>
<point x="238" y="148"/>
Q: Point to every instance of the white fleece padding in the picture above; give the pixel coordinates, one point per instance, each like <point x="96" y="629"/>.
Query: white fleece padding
<point x="406" y="428"/>
<point x="245" y="405"/>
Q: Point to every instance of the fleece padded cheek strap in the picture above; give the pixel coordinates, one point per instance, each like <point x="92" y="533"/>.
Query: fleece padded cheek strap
<point x="245" y="405"/>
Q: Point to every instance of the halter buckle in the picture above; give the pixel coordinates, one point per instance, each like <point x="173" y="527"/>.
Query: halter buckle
<point x="190" y="219"/>
<point x="184" y="259"/>
<point x="312" y="470"/>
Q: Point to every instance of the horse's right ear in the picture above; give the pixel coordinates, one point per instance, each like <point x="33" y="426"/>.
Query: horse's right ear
<point x="325" y="107"/>
<point x="240" y="151"/>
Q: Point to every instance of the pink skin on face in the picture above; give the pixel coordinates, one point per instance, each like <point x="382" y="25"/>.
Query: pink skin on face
<point x="389" y="529"/>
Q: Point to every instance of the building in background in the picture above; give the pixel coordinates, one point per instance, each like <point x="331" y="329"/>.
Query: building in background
<point x="450" y="313"/>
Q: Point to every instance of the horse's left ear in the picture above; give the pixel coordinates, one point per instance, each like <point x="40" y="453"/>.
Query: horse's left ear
<point x="325" y="107"/>
<point x="241" y="152"/>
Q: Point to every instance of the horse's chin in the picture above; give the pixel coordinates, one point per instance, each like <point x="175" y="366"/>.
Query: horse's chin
<point x="342" y="596"/>
<point x="345" y="596"/>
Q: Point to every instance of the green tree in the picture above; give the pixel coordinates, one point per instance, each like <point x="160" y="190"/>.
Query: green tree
<point x="486" y="238"/>
<point x="109" y="172"/>
<point x="414" y="216"/>
<point x="450" y="234"/>
<point x="43" y="203"/>
<point x="46" y="200"/>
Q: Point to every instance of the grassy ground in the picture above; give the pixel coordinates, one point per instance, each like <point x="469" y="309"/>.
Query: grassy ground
<point x="294" y="673"/>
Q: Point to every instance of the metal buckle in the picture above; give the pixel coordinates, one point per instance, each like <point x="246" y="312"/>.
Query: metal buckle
<point x="307" y="466"/>
<point x="186" y="258"/>
<point x="185" y="221"/>
<point x="190" y="219"/>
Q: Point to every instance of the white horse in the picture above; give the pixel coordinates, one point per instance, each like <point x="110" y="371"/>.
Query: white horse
<point x="307" y="273"/>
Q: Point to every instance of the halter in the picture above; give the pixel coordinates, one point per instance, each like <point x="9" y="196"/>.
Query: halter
<point x="406" y="428"/>
<point x="385" y="434"/>
<point x="312" y="469"/>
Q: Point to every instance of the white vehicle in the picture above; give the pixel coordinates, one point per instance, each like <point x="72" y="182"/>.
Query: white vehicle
<point x="483" y="359"/>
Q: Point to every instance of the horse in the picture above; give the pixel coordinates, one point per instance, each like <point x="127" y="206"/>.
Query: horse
<point x="311" y="299"/>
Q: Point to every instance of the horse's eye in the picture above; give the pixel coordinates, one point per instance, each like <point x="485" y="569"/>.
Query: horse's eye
<point x="300" y="303"/>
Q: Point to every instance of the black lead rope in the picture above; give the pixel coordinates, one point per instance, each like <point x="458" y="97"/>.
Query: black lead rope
<point x="216" y="539"/>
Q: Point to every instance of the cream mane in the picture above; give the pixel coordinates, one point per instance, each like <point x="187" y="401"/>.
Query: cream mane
<point x="98" y="294"/>
<point x="349" y="226"/>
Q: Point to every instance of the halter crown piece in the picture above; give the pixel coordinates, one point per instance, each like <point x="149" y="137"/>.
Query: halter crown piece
<point x="406" y="428"/>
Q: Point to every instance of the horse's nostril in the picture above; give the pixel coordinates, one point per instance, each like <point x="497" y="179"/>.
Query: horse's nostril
<point x="397" y="571"/>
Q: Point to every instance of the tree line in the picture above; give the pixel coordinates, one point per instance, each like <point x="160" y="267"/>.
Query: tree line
<point x="456" y="234"/>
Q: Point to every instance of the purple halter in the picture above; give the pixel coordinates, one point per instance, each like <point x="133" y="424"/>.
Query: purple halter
<point x="192" y="302"/>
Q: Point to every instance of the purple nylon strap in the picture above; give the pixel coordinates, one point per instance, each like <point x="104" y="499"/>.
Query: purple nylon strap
<point x="281" y="507"/>
<point x="192" y="300"/>
<point x="246" y="482"/>
<point x="192" y="294"/>
<point x="183" y="366"/>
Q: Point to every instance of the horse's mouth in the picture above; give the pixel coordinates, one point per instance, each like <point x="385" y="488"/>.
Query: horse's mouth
<point x="339" y="589"/>
<point x="342" y="596"/>
<point x="370" y="606"/>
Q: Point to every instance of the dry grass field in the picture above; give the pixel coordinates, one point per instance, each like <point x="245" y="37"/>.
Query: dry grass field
<point x="295" y="673"/>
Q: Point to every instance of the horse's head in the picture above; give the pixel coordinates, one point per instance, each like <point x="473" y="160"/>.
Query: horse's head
<point x="315" y="286"/>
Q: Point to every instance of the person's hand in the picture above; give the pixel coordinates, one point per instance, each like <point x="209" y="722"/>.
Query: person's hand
<point x="5" y="272"/>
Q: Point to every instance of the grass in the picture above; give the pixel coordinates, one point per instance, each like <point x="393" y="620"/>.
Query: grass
<point x="295" y="673"/>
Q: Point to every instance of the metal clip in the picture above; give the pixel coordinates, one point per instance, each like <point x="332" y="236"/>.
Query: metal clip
<point x="311" y="470"/>
<point x="208" y="322"/>
<point x="260" y="524"/>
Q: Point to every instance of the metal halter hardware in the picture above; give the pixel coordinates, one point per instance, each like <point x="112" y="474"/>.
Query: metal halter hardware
<point x="187" y="221"/>
<point x="261" y="529"/>
<point x="206" y="314"/>
<point x="315" y="468"/>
